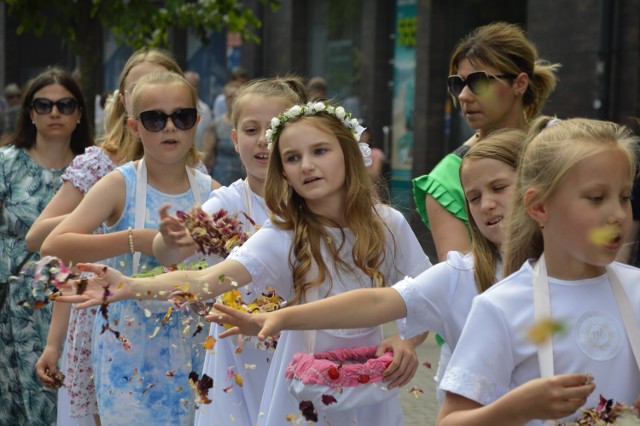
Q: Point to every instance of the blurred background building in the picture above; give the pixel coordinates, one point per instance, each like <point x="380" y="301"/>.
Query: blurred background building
<point x="388" y="60"/>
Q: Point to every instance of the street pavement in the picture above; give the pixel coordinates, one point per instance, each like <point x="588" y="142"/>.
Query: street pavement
<point x="423" y="409"/>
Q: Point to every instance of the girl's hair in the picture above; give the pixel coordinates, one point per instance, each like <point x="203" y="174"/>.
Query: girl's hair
<point x="506" y="47"/>
<point x="118" y="138"/>
<point x="289" y="88"/>
<point x="553" y="147"/>
<point x="504" y="145"/>
<point x="290" y="212"/>
<point x="25" y="134"/>
<point x="162" y="78"/>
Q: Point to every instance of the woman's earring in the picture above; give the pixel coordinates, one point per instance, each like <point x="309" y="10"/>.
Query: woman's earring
<point x="33" y="122"/>
<point x="542" y="226"/>
<point x="78" y="122"/>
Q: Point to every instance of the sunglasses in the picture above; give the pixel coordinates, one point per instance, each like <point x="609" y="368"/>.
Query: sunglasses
<point x="66" y="106"/>
<point x="478" y="82"/>
<point x="155" y="121"/>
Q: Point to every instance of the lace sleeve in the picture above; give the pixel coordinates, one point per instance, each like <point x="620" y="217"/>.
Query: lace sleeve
<point x="86" y="169"/>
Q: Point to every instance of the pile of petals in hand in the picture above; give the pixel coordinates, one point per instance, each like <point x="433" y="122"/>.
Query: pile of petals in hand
<point x="49" y="273"/>
<point x="268" y="301"/>
<point x="607" y="413"/>
<point x="180" y="297"/>
<point x="215" y="234"/>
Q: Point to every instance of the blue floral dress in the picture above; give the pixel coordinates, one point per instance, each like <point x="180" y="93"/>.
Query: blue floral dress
<point x="141" y="376"/>
<point x="25" y="190"/>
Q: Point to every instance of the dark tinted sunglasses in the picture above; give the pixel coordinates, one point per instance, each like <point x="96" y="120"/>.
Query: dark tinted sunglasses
<point x="478" y="82"/>
<point x="155" y="121"/>
<point x="66" y="106"/>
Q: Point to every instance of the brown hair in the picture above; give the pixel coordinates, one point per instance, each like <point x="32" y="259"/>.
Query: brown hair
<point x="25" y="134"/>
<point x="506" y="47"/>
<point x="290" y="212"/>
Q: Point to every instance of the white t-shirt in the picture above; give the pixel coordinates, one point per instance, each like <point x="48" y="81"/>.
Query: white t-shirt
<point x="494" y="354"/>
<point x="266" y="256"/>
<point x="439" y="299"/>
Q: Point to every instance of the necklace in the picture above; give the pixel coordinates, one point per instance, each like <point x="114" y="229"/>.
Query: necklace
<point x="248" y="195"/>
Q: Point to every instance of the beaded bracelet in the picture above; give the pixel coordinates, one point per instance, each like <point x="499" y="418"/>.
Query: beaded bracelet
<point x="132" y="249"/>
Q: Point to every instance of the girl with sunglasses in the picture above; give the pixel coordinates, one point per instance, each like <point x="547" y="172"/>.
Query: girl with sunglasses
<point x="71" y="329"/>
<point x="141" y="374"/>
<point x="52" y="128"/>
<point x="499" y="82"/>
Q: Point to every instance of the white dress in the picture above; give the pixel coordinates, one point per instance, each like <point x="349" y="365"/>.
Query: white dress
<point x="494" y="354"/>
<point x="266" y="257"/>
<point x="230" y="403"/>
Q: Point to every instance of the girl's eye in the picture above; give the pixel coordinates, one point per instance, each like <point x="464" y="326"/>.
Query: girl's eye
<point x="472" y="200"/>
<point x="320" y="151"/>
<point x="499" y="188"/>
<point x="292" y="158"/>
<point x="596" y="198"/>
<point x="625" y="199"/>
<point x="250" y="131"/>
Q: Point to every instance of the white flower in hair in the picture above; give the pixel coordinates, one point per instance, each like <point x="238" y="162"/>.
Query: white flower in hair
<point x="313" y="108"/>
<point x="366" y="153"/>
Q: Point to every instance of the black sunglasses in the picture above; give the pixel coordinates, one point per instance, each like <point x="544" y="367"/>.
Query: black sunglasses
<point x="66" y="106"/>
<point x="478" y="82"/>
<point x="155" y="121"/>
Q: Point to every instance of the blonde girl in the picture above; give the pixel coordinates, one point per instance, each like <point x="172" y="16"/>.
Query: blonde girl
<point x="327" y="235"/>
<point x="141" y="369"/>
<point x="255" y="104"/>
<point x="571" y="211"/>
<point x="77" y="399"/>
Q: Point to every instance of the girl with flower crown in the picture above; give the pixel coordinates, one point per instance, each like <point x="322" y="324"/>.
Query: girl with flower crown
<point x="327" y="235"/>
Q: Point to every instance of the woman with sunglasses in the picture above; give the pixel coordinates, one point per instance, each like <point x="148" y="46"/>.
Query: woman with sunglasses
<point x="142" y="364"/>
<point x="499" y="82"/>
<point x="52" y="128"/>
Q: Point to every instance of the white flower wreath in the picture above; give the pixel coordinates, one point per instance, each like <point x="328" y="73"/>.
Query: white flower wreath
<point x="313" y="108"/>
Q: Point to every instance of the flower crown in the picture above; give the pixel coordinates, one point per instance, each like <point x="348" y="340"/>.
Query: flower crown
<point x="313" y="108"/>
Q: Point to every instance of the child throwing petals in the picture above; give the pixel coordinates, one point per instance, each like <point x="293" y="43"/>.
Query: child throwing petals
<point x="327" y="235"/>
<point x="143" y="352"/>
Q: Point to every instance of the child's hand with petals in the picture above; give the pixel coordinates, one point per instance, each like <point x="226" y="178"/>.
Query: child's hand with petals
<point x="262" y="325"/>
<point x="174" y="233"/>
<point x="105" y="286"/>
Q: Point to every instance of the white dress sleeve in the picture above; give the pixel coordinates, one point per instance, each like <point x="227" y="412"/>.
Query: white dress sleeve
<point x="438" y="299"/>
<point x="482" y="363"/>
<point x="266" y="256"/>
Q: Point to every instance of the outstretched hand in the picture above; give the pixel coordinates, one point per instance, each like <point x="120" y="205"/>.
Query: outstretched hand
<point x="174" y="233"/>
<point x="262" y="325"/>
<point x="105" y="286"/>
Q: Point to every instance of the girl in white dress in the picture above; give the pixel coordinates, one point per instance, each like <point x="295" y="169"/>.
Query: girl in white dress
<point x="571" y="213"/>
<point x="327" y="235"/>
<point x="254" y="106"/>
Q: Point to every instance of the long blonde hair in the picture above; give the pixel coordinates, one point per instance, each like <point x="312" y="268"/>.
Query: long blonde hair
<point x="552" y="149"/>
<point x="290" y="212"/>
<point x="118" y="139"/>
<point x="504" y="145"/>
<point x="506" y="48"/>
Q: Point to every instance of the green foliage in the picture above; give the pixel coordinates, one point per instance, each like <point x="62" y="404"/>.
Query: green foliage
<point x="137" y="23"/>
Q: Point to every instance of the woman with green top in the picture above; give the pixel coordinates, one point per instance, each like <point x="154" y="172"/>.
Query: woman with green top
<point x="499" y="82"/>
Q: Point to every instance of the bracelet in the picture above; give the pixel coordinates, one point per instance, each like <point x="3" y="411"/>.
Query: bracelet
<point x="132" y="249"/>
